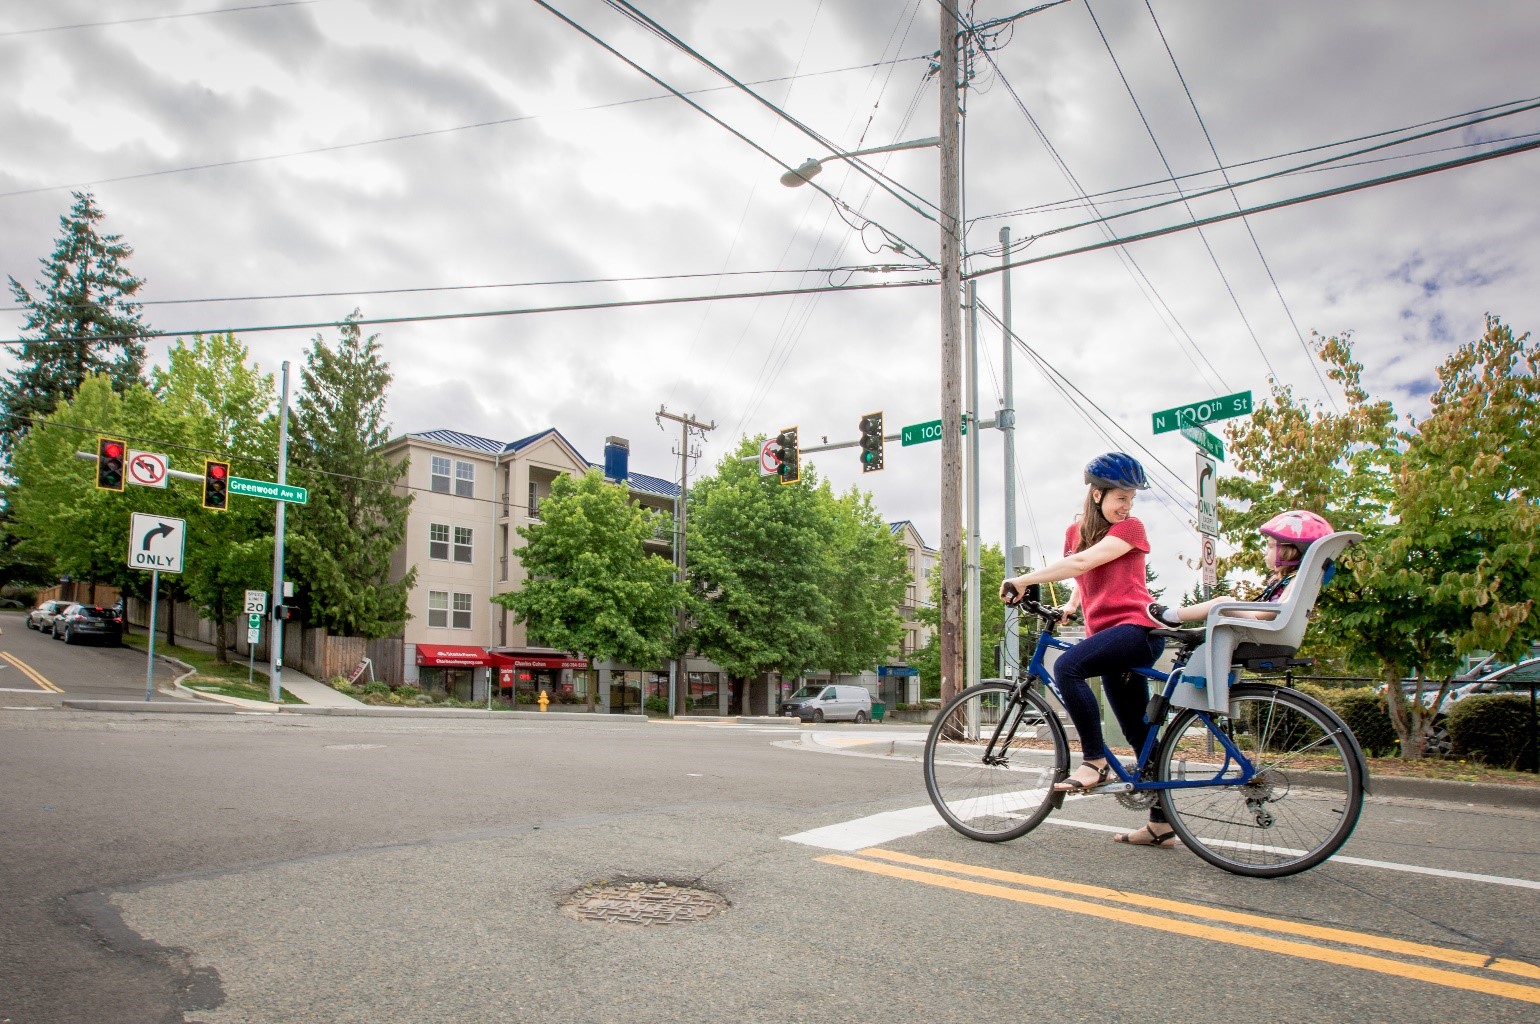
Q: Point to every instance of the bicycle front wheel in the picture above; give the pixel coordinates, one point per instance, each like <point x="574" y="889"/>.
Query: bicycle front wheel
<point x="1297" y="810"/>
<point x="991" y="761"/>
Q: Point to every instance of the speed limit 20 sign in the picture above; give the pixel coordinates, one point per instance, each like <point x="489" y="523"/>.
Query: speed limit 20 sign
<point x="256" y="602"/>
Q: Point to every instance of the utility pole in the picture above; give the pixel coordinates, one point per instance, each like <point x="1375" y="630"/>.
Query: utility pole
<point x="975" y="577"/>
<point x="951" y="358"/>
<point x="275" y="645"/>
<point x="1007" y="424"/>
<point x="687" y="423"/>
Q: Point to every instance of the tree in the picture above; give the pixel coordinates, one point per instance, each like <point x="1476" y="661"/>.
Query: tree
<point x="82" y="321"/>
<point x="866" y="575"/>
<point x="593" y="587"/>
<point x="343" y="538"/>
<point x="213" y="404"/>
<point x="927" y="660"/>
<point x="758" y="569"/>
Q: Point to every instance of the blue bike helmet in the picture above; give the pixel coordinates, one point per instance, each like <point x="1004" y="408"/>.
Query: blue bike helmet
<point x="1116" y="471"/>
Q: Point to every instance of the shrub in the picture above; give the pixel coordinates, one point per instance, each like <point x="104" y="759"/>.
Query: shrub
<point x="1493" y="729"/>
<point x="1364" y="712"/>
<point x="376" y="689"/>
<point x="657" y="706"/>
<point x="340" y="684"/>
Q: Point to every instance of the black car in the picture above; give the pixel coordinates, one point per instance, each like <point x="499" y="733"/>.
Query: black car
<point x="87" y="621"/>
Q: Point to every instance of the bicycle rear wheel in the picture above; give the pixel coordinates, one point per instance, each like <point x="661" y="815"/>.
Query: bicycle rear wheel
<point x="990" y="761"/>
<point x="1298" y="809"/>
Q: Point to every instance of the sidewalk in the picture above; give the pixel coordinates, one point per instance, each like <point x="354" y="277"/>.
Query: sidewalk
<point x="311" y="691"/>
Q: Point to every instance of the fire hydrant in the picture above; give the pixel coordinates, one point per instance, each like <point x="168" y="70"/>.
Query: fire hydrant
<point x="544" y="700"/>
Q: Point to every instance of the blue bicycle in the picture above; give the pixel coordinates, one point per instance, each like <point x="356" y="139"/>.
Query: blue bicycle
<point x="1271" y="787"/>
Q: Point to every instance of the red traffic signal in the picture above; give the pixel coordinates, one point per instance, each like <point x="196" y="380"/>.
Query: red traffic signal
<point x="216" y="480"/>
<point x="109" y="464"/>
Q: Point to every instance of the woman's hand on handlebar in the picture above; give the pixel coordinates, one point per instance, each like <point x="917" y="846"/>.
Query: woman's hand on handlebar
<point x="1012" y="592"/>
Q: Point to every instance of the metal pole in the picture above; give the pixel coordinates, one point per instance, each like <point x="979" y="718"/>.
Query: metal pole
<point x="951" y="358"/>
<point x="1007" y="423"/>
<point x="149" y="667"/>
<point x="275" y="678"/>
<point x="975" y="642"/>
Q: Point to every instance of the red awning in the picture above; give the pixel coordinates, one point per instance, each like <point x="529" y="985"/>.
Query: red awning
<point x="515" y="659"/>
<point x="452" y="656"/>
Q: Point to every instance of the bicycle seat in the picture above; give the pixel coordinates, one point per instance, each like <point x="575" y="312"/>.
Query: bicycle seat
<point x="1231" y="634"/>
<point x="1187" y="638"/>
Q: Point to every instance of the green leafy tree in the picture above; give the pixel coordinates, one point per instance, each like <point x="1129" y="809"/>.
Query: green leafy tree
<point x="82" y="320"/>
<point x="927" y="660"/>
<point x="342" y="540"/>
<point x="866" y="574"/>
<point x="758" y="569"/>
<point x="212" y="403"/>
<point x="593" y="587"/>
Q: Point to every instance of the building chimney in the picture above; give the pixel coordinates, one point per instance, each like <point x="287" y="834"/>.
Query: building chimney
<point x="617" y="459"/>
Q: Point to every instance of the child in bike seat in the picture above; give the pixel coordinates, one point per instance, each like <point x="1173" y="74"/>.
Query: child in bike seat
<point x="1288" y="535"/>
<point x="1106" y="552"/>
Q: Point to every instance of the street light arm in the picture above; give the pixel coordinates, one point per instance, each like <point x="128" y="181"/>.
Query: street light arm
<point x="812" y="165"/>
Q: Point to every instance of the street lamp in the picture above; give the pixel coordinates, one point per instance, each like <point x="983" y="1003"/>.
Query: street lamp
<point x="813" y="165"/>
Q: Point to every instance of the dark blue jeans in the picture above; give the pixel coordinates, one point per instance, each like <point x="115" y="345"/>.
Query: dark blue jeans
<point x="1109" y="654"/>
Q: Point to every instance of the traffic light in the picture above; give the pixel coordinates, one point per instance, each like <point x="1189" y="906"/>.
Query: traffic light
<point x="109" y="463"/>
<point x="871" y="442"/>
<point x="791" y="456"/>
<point x="283" y="612"/>
<point x="216" y="485"/>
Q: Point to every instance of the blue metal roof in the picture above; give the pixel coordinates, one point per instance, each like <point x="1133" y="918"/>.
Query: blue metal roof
<point x="459" y="440"/>
<point x="897" y="527"/>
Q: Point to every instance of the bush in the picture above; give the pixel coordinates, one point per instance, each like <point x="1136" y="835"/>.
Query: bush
<point x="1364" y="712"/>
<point x="1493" y="729"/>
<point x="657" y="706"/>
<point x="377" y="689"/>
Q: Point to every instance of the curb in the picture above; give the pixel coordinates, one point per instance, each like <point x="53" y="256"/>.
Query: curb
<point x="1490" y="794"/>
<point x="362" y="711"/>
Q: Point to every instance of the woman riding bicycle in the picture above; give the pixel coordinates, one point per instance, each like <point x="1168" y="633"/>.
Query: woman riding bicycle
<point x="1105" y="550"/>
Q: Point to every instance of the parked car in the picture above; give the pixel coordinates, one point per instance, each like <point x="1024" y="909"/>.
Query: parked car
<point x="88" y="621"/>
<point x="1516" y="678"/>
<point x="830" y="703"/>
<point x="41" y="618"/>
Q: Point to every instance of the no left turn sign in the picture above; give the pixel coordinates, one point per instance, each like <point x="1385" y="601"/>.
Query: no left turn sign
<point x="147" y="469"/>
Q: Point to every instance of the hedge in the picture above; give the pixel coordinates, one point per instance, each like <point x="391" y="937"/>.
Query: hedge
<point x="1492" y="728"/>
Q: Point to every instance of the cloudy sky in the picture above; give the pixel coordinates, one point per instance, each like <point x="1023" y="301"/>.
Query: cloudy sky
<point x="413" y="158"/>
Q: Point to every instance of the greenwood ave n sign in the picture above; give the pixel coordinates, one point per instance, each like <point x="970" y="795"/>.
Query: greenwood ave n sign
<point x="269" y="490"/>
<point x="1238" y="404"/>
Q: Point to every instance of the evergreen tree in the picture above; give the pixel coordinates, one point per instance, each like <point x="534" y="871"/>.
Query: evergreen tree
<point x="81" y="321"/>
<point x="343" y="539"/>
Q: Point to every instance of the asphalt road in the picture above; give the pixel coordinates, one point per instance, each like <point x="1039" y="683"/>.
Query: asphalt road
<point x="280" y="868"/>
<point x="84" y="669"/>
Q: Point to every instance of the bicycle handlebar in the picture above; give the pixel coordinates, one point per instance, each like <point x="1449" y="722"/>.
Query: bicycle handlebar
<point x="1032" y="602"/>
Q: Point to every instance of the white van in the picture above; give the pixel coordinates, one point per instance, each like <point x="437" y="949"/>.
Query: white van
<point x="830" y="703"/>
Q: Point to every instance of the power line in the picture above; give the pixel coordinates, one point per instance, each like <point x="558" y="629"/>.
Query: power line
<point x="1279" y="204"/>
<point x="158" y="17"/>
<point x="873" y="268"/>
<point x="472" y="315"/>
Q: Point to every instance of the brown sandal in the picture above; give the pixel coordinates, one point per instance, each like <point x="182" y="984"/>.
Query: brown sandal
<point x="1146" y="836"/>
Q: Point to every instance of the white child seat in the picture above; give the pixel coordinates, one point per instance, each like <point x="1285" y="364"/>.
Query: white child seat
<point x="1229" y="637"/>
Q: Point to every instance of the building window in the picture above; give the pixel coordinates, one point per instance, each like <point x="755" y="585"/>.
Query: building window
<point x="440" y="474"/>
<point x="438" y="541"/>
<point x="465" y="479"/>
<point x="462" y="544"/>
<point x="438" y="608"/>
<point x="534" y="502"/>
<point x="462" y="617"/>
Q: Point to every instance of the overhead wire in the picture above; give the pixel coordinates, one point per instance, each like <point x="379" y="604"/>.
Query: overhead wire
<point x="1171" y="174"/>
<point x="1257" y="245"/>
<point x="157" y="17"/>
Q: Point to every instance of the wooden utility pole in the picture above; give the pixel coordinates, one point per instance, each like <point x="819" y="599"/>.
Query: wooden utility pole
<point x="686" y="423"/>
<point x="951" y="362"/>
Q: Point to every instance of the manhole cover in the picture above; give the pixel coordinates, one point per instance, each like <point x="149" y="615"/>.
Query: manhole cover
<point x="643" y="903"/>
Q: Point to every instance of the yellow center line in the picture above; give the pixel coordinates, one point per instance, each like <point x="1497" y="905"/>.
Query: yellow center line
<point x="1344" y="958"/>
<point x="30" y="672"/>
<point x="1461" y="957"/>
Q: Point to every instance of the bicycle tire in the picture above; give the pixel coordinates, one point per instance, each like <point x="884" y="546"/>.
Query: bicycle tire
<point x="995" y="802"/>
<point x="1297" y="811"/>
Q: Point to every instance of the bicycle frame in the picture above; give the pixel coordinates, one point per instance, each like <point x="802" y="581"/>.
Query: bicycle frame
<point x="1037" y="669"/>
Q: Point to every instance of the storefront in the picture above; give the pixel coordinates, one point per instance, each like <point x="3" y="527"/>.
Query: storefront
<point x="525" y="674"/>
<point x="450" y="669"/>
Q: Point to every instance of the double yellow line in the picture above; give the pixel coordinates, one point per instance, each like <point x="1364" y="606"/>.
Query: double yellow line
<point x="1042" y="892"/>
<point x="30" y="672"/>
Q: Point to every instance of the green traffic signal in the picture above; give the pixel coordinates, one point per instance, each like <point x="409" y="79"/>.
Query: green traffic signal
<point x="871" y="442"/>
<point x="791" y="456"/>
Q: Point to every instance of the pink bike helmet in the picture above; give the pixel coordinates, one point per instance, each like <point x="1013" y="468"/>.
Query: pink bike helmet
<point x="1299" y="528"/>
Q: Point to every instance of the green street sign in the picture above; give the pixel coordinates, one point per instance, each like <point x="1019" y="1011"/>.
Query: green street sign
<point x="1198" y="413"/>
<point x="1203" y="439"/>
<point x="920" y="433"/>
<point x="253" y="621"/>
<point x="269" y="490"/>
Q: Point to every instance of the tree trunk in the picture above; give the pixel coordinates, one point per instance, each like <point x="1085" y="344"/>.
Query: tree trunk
<point x="171" y="619"/>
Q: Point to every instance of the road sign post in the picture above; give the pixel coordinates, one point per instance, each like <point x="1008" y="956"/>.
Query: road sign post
<point x="1208" y="496"/>
<point x="156" y="543"/>
<point x="1198" y="413"/>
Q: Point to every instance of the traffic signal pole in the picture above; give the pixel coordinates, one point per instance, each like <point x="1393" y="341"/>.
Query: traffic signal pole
<point x="1007" y="422"/>
<point x="275" y="646"/>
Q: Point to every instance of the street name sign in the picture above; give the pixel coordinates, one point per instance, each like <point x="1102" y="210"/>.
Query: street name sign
<point x="269" y="490"/>
<point x="1238" y="404"/>
<point x="920" y="433"/>
<point x="156" y="543"/>
<point x="1203" y="439"/>
<point x="147" y="469"/>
